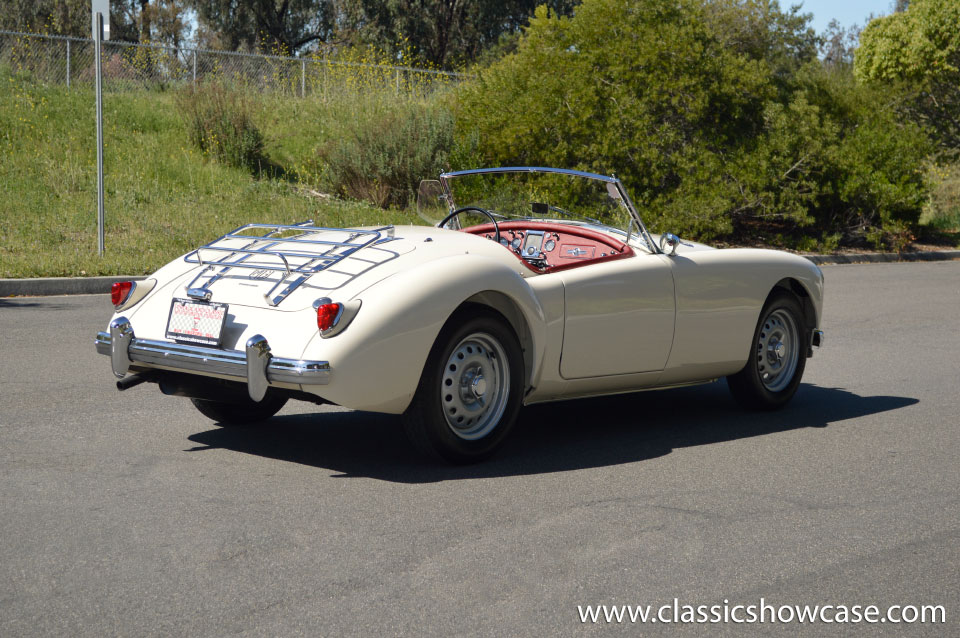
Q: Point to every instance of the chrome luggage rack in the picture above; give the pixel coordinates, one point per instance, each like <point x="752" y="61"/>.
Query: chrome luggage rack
<point x="269" y="253"/>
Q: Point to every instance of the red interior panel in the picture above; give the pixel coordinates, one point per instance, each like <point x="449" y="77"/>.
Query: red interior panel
<point x="562" y="247"/>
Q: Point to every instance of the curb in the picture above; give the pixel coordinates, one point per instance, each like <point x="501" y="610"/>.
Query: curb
<point x="881" y="258"/>
<point x="50" y="286"/>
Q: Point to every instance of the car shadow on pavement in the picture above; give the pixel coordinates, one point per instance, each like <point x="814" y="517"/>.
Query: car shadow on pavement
<point x="31" y="302"/>
<point x="554" y="437"/>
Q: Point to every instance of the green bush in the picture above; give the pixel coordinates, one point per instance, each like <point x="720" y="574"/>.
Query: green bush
<point x="942" y="211"/>
<point x="381" y="151"/>
<point x="718" y="130"/>
<point x="833" y="162"/>
<point x="220" y="124"/>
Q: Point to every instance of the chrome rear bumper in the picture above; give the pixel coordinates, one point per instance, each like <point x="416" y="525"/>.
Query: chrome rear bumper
<point x="255" y="366"/>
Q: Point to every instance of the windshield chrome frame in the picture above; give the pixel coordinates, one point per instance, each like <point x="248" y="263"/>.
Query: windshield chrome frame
<point x="625" y="198"/>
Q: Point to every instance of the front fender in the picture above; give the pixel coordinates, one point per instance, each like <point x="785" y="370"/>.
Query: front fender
<point x="378" y="360"/>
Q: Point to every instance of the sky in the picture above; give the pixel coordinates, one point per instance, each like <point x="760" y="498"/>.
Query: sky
<point x="847" y="12"/>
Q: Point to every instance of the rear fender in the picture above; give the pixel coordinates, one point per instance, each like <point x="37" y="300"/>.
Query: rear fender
<point x="378" y="360"/>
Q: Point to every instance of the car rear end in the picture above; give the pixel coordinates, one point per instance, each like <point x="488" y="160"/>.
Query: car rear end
<point x="235" y="316"/>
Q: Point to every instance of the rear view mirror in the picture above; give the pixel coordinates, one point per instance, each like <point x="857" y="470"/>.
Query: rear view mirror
<point x="431" y="202"/>
<point x="539" y="208"/>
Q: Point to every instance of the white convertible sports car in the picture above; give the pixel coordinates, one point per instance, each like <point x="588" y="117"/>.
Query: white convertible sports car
<point x="535" y="284"/>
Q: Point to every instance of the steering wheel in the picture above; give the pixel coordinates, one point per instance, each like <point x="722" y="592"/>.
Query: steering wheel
<point x="477" y="209"/>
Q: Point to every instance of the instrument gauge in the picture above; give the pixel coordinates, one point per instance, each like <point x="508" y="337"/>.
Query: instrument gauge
<point x="550" y="245"/>
<point x="516" y="243"/>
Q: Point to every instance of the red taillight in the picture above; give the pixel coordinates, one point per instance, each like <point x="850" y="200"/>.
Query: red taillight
<point x="120" y="291"/>
<point x="326" y="315"/>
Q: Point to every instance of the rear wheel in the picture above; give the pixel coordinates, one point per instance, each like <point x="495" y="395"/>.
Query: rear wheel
<point x="777" y="356"/>
<point x="470" y="390"/>
<point x="240" y="412"/>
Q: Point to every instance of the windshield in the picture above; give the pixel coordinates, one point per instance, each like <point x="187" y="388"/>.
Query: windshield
<point x="542" y="194"/>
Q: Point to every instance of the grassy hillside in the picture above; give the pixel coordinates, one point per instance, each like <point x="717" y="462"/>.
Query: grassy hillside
<point x="162" y="195"/>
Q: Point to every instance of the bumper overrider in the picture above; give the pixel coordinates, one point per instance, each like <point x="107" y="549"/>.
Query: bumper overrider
<point x="816" y="338"/>
<point x="254" y="365"/>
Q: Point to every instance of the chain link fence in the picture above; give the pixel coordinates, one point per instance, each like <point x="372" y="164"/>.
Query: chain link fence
<point x="70" y="61"/>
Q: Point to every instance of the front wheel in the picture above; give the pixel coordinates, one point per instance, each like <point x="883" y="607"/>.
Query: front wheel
<point x="777" y="356"/>
<point x="470" y="390"/>
<point x="241" y="412"/>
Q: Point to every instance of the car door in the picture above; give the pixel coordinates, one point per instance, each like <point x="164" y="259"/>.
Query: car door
<point x="618" y="317"/>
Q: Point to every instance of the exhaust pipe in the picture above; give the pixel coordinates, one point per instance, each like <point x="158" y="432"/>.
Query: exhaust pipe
<point x="136" y="379"/>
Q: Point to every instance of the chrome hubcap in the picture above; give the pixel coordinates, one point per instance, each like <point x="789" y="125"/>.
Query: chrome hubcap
<point x="475" y="386"/>
<point x="777" y="350"/>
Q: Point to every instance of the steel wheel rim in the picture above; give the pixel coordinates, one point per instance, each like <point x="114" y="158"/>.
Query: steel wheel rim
<point x="778" y="350"/>
<point x="475" y="386"/>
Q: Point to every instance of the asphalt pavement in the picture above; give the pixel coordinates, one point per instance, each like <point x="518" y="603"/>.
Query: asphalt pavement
<point x="132" y="514"/>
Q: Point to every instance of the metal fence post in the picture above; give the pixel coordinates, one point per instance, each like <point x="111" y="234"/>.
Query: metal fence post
<point x="68" y="64"/>
<point x="303" y="78"/>
<point x="398" y="82"/>
<point x="99" y="87"/>
<point x="194" y="66"/>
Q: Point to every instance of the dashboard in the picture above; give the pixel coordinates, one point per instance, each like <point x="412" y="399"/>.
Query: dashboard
<point x="549" y="246"/>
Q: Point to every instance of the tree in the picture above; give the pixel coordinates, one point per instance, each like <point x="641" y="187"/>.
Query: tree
<point x="159" y="21"/>
<point x="156" y="21"/>
<point x="285" y="26"/>
<point x="838" y="44"/>
<point x="444" y="33"/>
<point x="441" y="33"/>
<point x="920" y="48"/>
<point x="61" y="17"/>
<point x="761" y="30"/>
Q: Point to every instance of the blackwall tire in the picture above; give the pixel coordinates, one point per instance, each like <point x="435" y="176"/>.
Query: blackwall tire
<point x="239" y="412"/>
<point x="470" y="391"/>
<point x="778" y="356"/>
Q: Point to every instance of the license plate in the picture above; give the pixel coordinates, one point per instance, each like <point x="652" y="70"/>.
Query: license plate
<point x="196" y="322"/>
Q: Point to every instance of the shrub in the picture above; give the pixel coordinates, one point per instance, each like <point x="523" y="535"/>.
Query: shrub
<point x="381" y="152"/>
<point x="716" y="129"/>
<point x="220" y="124"/>
<point x="832" y="162"/>
<point x="943" y="210"/>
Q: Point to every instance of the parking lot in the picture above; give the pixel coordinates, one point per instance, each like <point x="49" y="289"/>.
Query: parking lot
<point x="132" y="514"/>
